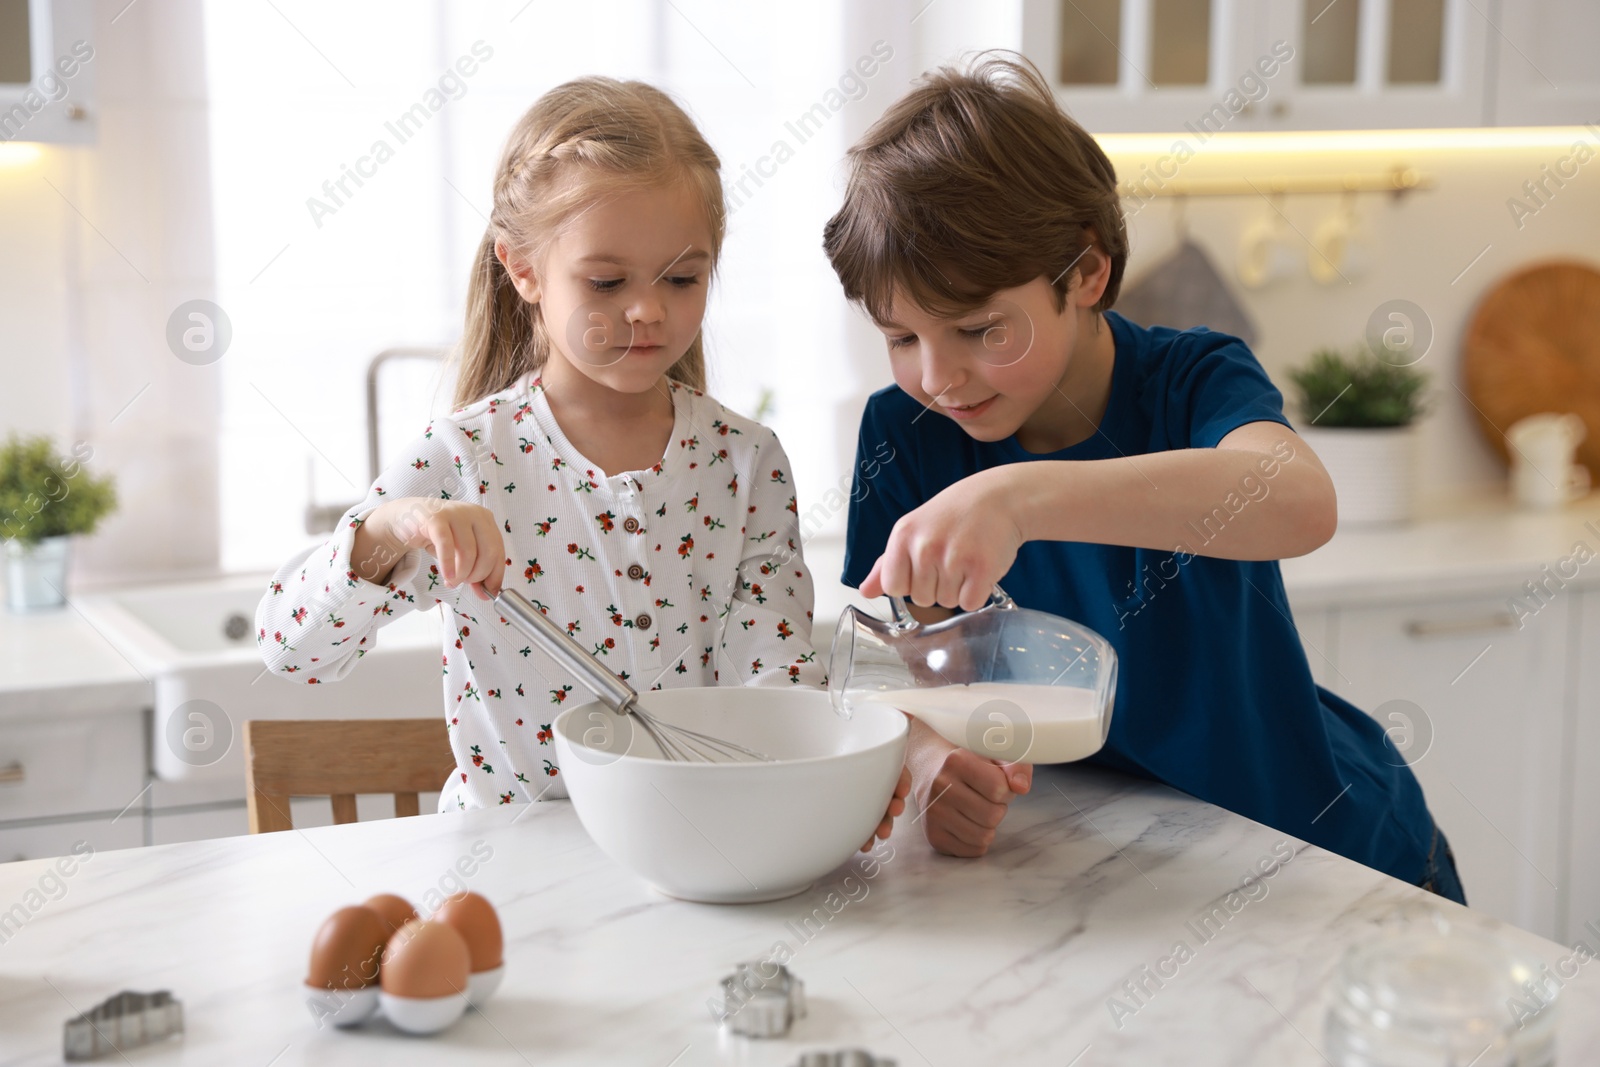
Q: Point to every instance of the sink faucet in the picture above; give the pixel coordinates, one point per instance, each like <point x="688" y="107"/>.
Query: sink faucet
<point x="321" y="518"/>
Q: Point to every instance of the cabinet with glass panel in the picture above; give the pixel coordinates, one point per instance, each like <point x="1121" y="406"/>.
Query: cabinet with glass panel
<point x="1210" y="65"/>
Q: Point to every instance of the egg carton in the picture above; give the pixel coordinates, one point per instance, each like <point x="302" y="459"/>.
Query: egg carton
<point x="125" y="1021"/>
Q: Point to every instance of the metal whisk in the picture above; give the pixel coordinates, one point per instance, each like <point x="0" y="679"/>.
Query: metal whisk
<point x="675" y="742"/>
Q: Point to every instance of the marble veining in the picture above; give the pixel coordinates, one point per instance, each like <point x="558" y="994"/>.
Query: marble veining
<point x="1032" y="955"/>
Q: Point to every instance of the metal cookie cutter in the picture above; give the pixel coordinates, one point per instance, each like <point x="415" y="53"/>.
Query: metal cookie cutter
<point x="758" y="1005"/>
<point x="849" y="1057"/>
<point x="126" y="1021"/>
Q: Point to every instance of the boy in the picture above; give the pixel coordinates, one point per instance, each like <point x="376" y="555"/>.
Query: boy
<point x="1141" y="481"/>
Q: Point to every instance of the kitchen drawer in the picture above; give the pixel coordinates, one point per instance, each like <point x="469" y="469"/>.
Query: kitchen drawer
<point x="57" y="839"/>
<point x="1476" y="702"/>
<point x="170" y="827"/>
<point x="188" y="793"/>
<point x="66" y="766"/>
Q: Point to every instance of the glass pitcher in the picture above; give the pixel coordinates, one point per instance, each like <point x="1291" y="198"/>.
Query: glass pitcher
<point x="1009" y="683"/>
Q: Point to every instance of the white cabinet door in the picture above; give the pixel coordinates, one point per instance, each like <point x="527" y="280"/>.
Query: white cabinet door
<point x="1545" y="70"/>
<point x="58" y="839"/>
<point x="1317" y="636"/>
<point x="1211" y="66"/>
<point x="1140" y="66"/>
<point x="1487" y="741"/>
<point x="1583" y="834"/>
<point x="69" y="765"/>
<point x="171" y="827"/>
<point x="1378" y="64"/>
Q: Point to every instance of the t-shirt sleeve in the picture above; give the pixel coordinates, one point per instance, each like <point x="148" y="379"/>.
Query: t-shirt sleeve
<point x="883" y="487"/>
<point x="1217" y="388"/>
<point x="319" y="616"/>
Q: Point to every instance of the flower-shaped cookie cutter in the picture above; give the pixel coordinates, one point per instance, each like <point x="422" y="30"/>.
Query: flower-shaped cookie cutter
<point x="125" y="1021"/>
<point x="762" y="999"/>
<point x="849" y="1057"/>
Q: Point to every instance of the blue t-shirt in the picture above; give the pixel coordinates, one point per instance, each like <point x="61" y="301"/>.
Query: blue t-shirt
<point x="1215" y="696"/>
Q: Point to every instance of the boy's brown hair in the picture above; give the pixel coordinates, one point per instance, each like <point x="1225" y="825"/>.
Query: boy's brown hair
<point x="973" y="182"/>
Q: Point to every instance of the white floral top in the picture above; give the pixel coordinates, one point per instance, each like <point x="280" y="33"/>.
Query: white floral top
<point x="685" y="574"/>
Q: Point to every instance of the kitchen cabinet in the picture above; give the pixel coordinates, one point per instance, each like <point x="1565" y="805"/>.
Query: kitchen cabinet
<point x="1543" y="62"/>
<point x="1582" y="766"/>
<point x="1377" y="64"/>
<point x="1140" y="66"/>
<point x="47" y="71"/>
<point x="1316" y="626"/>
<point x="1482" y="616"/>
<point x="41" y="841"/>
<point x="1477" y="706"/>
<point x="62" y="765"/>
<point x="66" y="778"/>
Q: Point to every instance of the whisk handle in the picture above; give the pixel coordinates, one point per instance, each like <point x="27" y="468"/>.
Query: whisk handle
<point x="560" y="646"/>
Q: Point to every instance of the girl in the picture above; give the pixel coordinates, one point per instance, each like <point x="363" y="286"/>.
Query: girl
<point x="584" y="465"/>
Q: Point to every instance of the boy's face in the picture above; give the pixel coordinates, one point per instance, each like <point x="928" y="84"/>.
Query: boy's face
<point x="992" y="369"/>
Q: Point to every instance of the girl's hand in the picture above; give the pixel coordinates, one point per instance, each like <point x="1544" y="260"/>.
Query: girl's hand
<point x="897" y="807"/>
<point x="954" y="549"/>
<point x="463" y="537"/>
<point x="963" y="796"/>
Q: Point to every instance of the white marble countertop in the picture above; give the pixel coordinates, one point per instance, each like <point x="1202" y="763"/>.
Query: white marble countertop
<point x="1008" y="959"/>
<point x="54" y="660"/>
<point x="1465" y="545"/>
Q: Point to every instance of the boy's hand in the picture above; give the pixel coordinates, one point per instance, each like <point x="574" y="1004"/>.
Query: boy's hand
<point x="463" y="537"/>
<point x="963" y="796"/>
<point x="954" y="549"/>
<point x="897" y="807"/>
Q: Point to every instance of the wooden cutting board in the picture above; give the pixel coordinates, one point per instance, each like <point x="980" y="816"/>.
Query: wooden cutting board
<point x="1533" y="346"/>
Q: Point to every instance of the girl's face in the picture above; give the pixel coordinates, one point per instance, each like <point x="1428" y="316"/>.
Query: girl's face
<point x="622" y="288"/>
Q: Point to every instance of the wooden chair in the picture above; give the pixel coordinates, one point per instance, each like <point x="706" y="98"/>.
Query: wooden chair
<point x="339" y="759"/>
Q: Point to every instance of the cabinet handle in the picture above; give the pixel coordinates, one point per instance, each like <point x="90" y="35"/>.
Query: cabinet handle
<point x="12" y="773"/>
<point x="1500" y="620"/>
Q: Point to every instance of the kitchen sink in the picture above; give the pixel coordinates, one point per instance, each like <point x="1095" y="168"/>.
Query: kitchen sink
<point x="196" y="645"/>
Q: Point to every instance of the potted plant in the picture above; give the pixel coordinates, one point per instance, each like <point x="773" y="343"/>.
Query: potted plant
<point x="45" y="499"/>
<point x="1359" y="413"/>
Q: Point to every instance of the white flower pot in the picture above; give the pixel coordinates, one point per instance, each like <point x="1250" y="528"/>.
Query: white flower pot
<point x="1373" y="471"/>
<point x="36" y="575"/>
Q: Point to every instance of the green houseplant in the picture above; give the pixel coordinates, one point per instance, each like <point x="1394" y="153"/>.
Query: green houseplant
<point x="1359" y="391"/>
<point x="1358" y="414"/>
<point x="45" y="498"/>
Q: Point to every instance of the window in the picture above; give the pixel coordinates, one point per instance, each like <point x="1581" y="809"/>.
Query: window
<point x="330" y="250"/>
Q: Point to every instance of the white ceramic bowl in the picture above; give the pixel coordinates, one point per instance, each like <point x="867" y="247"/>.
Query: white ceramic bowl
<point x="727" y="833"/>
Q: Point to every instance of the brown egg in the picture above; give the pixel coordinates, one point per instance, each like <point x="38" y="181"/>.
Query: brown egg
<point x="394" y="911"/>
<point x="426" y="960"/>
<point x="347" y="950"/>
<point x="475" y="920"/>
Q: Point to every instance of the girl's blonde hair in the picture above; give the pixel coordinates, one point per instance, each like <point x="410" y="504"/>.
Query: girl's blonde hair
<point x="580" y="142"/>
